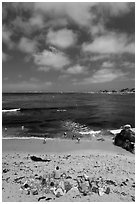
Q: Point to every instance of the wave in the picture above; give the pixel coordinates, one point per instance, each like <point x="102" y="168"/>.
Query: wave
<point x="61" y="110"/>
<point x="116" y="131"/>
<point x="10" y="110"/>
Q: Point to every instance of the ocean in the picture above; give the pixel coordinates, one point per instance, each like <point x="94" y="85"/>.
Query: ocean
<point x="52" y="114"/>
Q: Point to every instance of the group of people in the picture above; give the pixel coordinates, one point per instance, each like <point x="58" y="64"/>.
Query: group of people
<point x="74" y="137"/>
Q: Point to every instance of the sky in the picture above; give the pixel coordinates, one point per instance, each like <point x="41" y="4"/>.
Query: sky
<point x="67" y="46"/>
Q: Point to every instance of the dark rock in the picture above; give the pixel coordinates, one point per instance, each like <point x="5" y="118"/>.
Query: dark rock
<point x="95" y="189"/>
<point x="67" y="186"/>
<point x="101" y="139"/>
<point x="68" y="177"/>
<point x="18" y="180"/>
<point x="133" y="198"/>
<point x="40" y="198"/>
<point x="123" y="193"/>
<point x="48" y="199"/>
<point x="110" y="182"/>
<point x="125" y="139"/>
<point x="5" y="170"/>
<point x="35" y="192"/>
<point x="107" y="190"/>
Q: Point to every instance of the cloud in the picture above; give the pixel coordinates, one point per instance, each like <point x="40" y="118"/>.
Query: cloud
<point x="77" y="69"/>
<point x="45" y="69"/>
<point x="127" y="64"/>
<point x="26" y="45"/>
<point x="114" y="8"/>
<point x="55" y="60"/>
<point x="27" y="86"/>
<point x="63" y="38"/>
<point x="111" y="43"/>
<point x="77" y="12"/>
<point x="103" y="75"/>
<point x="21" y="25"/>
<point x="97" y="29"/>
<point x="5" y="57"/>
<point x="107" y="64"/>
<point x="6" y="37"/>
<point x="99" y="57"/>
<point x="37" y="21"/>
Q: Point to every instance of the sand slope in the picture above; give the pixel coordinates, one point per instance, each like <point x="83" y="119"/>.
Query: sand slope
<point x="117" y="166"/>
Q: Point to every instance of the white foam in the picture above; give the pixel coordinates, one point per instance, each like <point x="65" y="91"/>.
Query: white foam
<point x="114" y="132"/>
<point x="61" y="110"/>
<point x="92" y="132"/>
<point x="10" y="110"/>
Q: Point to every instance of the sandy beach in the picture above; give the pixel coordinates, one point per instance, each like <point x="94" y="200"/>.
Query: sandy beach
<point x="95" y="158"/>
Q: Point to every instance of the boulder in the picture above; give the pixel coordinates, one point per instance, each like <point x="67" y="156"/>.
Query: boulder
<point x="125" y="139"/>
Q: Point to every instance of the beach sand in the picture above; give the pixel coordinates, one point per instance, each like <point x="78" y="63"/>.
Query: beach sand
<point x="92" y="157"/>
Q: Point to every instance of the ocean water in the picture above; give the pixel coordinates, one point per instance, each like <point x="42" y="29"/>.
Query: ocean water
<point x="52" y="114"/>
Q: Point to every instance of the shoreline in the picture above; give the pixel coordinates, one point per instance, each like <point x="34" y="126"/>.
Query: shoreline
<point x="58" y="145"/>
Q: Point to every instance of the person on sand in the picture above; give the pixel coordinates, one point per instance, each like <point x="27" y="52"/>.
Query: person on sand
<point x="78" y="139"/>
<point x="73" y="137"/>
<point x="65" y="134"/>
<point x="57" y="173"/>
<point x="44" y="141"/>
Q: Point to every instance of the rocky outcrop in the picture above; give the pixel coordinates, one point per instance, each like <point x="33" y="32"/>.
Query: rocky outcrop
<point x="126" y="139"/>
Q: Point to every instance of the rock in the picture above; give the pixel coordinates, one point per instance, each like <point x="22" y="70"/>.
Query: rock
<point x="133" y="198"/>
<point x="40" y="198"/>
<point x="101" y="191"/>
<point x="83" y="186"/>
<point x="107" y="190"/>
<point x="126" y="139"/>
<point x="18" y="180"/>
<point x="59" y="192"/>
<point x="101" y="139"/>
<point x="34" y="191"/>
<point x="5" y="170"/>
<point x="95" y="189"/>
<point x="67" y="186"/>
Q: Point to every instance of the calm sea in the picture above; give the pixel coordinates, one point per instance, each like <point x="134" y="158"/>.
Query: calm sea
<point x="54" y="113"/>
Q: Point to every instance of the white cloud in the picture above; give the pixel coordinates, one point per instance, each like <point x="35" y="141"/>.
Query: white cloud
<point x="127" y="64"/>
<point x="103" y="75"/>
<point x="99" y="57"/>
<point x="56" y="60"/>
<point x="6" y="37"/>
<point x="78" y="12"/>
<point x="77" y="69"/>
<point x="5" y="57"/>
<point x="27" y="86"/>
<point x="37" y="21"/>
<point x="107" y="64"/>
<point x="111" y="43"/>
<point x="97" y="29"/>
<point x="45" y="69"/>
<point x="114" y="8"/>
<point x="26" y="45"/>
<point x="63" y="38"/>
